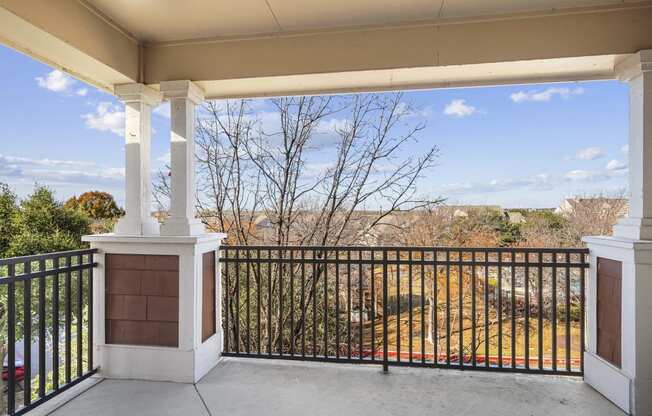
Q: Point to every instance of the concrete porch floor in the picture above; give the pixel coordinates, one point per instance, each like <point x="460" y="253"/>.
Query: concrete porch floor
<point x="261" y="387"/>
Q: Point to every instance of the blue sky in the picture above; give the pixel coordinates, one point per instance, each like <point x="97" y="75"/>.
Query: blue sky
<point x="515" y="146"/>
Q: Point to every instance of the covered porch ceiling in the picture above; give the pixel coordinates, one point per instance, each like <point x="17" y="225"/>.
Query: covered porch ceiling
<point x="279" y="47"/>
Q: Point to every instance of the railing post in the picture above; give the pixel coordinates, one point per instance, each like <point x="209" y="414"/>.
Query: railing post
<point x="385" y="361"/>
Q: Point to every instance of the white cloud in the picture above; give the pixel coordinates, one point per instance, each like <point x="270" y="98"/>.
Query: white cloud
<point x="82" y="92"/>
<point x="590" y="153"/>
<point x="459" y="108"/>
<point x="545" y="95"/>
<point x="616" y="165"/>
<point x="55" y="81"/>
<point x="59" y="171"/>
<point x="625" y="149"/>
<point x="536" y="183"/>
<point x="107" y="117"/>
<point x="586" y="176"/>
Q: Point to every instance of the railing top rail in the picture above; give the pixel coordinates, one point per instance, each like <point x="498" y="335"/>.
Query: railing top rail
<point x="46" y="256"/>
<point x="572" y="250"/>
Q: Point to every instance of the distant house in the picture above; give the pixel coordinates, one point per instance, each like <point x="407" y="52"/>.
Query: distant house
<point x="570" y="205"/>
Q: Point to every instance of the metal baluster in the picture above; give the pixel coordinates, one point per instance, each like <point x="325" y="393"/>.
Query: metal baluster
<point x="527" y="310"/>
<point x="582" y="299"/>
<point x="423" y="307"/>
<point x="27" y="334"/>
<point x="80" y="310"/>
<point x="314" y="305"/>
<point x="68" y="317"/>
<point x="360" y="305"/>
<point x="325" y="259"/>
<point x="41" y="330"/>
<point x="269" y="302"/>
<point x="55" y="324"/>
<point x="460" y="304"/>
<point x="398" y="306"/>
<point x="259" y="287"/>
<point x="227" y="301"/>
<point x="348" y="302"/>
<point x="486" y="309"/>
<point x="337" y="304"/>
<point x="90" y="311"/>
<point x="540" y="314"/>
<point x="473" y="311"/>
<point x="237" y="302"/>
<point x="554" y="311"/>
<point x="448" y="309"/>
<point x="303" y="303"/>
<point x="11" y="340"/>
<point x="373" y="306"/>
<point x="385" y="301"/>
<point x="410" y="330"/>
<point x="291" y="277"/>
<point x="248" y="311"/>
<point x="513" y="311"/>
<point x="568" y="314"/>
<point x="500" y="309"/>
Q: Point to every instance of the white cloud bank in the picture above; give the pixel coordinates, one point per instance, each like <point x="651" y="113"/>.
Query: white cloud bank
<point x="459" y="108"/>
<point x="58" y="81"/>
<point x="107" y="117"/>
<point x="590" y="153"/>
<point x="545" y="95"/>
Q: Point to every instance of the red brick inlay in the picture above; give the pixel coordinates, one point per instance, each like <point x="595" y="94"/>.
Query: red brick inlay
<point x="142" y="300"/>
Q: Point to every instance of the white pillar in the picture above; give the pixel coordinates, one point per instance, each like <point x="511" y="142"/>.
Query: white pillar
<point x="183" y="96"/>
<point x="139" y="101"/>
<point x="637" y="72"/>
<point x="629" y="384"/>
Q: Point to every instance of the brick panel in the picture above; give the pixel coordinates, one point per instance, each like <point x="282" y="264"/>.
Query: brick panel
<point x="142" y="300"/>
<point x="162" y="309"/>
<point x="124" y="282"/>
<point x="127" y="307"/>
<point x="160" y="283"/>
<point x="609" y="304"/>
<point x="208" y="295"/>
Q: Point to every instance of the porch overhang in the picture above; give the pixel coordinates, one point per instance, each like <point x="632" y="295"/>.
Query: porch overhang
<point x="110" y="43"/>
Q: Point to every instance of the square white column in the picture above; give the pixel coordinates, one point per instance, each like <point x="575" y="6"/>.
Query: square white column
<point x="637" y="72"/>
<point x="628" y="385"/>
<point x="183" y="97"/>
<point x="139" y="101"/>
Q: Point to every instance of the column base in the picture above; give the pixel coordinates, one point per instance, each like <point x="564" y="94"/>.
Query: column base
<point x="629" y="384"/>
<point x="182" y="226"/>
<point x="634" y="228"/>
<point x="608" y="380"/>
<point x="136" y="227"/>
<point x="159" y="335"/>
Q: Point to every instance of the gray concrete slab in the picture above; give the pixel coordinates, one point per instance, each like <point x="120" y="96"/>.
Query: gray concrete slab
<point x="131" y="397"/>
<point x="265" y="387"/>
<point x="260" y="387"/>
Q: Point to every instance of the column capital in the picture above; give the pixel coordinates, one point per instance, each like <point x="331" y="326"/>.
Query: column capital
<point x="634" y="66"/>
<point x="182" y="89"/>
<point x="138" y="93"/>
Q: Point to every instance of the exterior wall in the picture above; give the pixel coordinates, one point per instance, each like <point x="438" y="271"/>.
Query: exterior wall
<point x="193" y="357"/>
<point x="142" y="300"/>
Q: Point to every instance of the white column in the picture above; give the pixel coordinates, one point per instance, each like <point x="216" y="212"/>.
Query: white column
<point x="183" y="96"/>
<point x="139" y="101"/>
<point x="628" y="385"/>
<point x="637" y="72"/>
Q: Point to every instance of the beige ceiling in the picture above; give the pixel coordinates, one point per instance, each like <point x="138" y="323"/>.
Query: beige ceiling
<point x="169" y="20"/>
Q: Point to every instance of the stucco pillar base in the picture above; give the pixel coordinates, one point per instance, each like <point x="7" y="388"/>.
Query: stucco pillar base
<point x="194" y="356"/>
<point x="182" y="226"/>
<point x="629" y="385"/>
<point x="634" y="228"/>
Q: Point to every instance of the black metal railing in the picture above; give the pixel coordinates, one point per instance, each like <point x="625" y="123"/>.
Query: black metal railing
<point x="48" y="305"/>
<point x="509" y="309"/>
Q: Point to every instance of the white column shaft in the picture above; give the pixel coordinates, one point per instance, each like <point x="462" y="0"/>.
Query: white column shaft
<point x="182" y="153"/>
<point x="183" y="96"/>
<point x="139" y="101"/>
